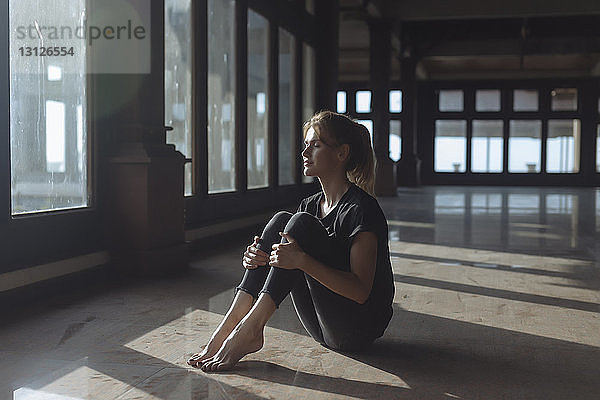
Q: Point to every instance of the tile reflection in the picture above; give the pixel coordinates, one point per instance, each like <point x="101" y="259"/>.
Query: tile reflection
<point x="486" y="203"/>
<point x="449" y="203"/>
<point x="528" y="219"/>
<point x="523" y="203"/>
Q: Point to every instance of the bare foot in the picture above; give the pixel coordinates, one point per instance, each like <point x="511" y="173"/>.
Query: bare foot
<point x="242" y="341"/>
<point x="210" y="349"/>
<point x="240" y="307"/>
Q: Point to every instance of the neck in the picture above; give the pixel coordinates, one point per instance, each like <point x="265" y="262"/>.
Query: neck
<point x="333" y="189"/>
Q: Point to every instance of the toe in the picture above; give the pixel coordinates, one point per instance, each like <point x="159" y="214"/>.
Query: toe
<point x="222" y="366"/>
<point x="206" y="365"/>
<point x="193" y="360"/>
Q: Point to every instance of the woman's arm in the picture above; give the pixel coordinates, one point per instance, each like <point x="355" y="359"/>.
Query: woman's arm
<point x="356" y="284"/>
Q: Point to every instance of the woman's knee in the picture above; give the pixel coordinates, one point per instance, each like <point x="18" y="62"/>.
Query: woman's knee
<point x="279" y="221"/>
<point x="300" y="219"/>
<point x="270" y="234"/>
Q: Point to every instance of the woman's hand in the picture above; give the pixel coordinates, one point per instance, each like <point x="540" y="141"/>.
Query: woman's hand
<point x="287" y="255"/>
<point x="253" y="257"/>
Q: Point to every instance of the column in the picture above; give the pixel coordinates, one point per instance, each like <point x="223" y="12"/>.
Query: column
<point x="408" y="169"/>
<point x="140" y="176"/>
<point x="380" y="62"/>
<point x="327" y="22"/>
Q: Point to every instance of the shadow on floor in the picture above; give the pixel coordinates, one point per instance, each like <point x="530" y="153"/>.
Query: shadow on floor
<point x="444" y="358"/>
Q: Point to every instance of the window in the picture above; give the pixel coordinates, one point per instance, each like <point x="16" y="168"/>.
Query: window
<point x="451" y="100"/>
<point x="221" y="95"/>
<point x="564" y="99"/>
<point x="598" y="149"/>
<point x="258" y="102"/>
<point x="363" y="101"/>
<point x="48" y="119"/>
<point x="597" y="210"/>
<point x="308" y="90"/>
<point x="395" y="140"/>
<point x="562" y="145"/>
<point x="308" y="79"/>
<point x="341" y="102"/>
<point x="395" y="100"/>
<point x="178" y="81"/>
<point x="450" y="145"/>
<point x="525" y="100"/>
<point x="487" y="100"/>
<point x="287" y="123"/>
<point x="524" y="146"/>
<point x="487" y="146"/>
<point x="369" y="125"/>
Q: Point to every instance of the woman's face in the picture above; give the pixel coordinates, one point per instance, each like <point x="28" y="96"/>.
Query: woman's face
<point x="319" y="158"/>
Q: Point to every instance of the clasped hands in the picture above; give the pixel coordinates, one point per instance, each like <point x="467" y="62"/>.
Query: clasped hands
<point x="284" y="255"/>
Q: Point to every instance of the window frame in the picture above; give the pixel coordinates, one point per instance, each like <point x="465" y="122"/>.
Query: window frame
<point x="56" y="233"/>
<point x="428" y="113"/>
<point x="203" y="207"/>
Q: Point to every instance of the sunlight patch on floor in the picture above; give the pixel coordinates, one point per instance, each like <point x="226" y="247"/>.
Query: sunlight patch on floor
<point x="410" y="224"/>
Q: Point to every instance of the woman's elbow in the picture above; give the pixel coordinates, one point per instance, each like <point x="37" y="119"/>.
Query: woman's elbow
<point x="362" y="297"/>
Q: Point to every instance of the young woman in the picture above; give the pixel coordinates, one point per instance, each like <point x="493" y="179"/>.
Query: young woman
<point x="332" y="255"/>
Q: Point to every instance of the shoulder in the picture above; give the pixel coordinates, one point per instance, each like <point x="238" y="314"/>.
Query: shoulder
<point x="362" y="205"/>
<point x="362" y="200"/>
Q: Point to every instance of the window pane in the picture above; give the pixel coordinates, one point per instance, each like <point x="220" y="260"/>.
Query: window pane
<point x="450" y="146"/>
<point x="55" y="136"/>
<point x="451" y="100"/>
<point x="178" y="80"/>
<point x="598" y="151"/>
<point x="221" y="95"/>
<point x="48" y="113"/>
<point x="187" y="178"/>
<point x="564" y="99"/>
<point x="395" y="140"/>
<point x="487" y="146"/>
<point x="341" y="102"/>
<point x="308" y="90"/>
<point x="287" y="125"/>
<point x="562" y="145"/>
<point x="524" y="146"/>
<point x="363" y="101"/>
<point x="597" y="210"/>
<point x="258" y="140"/>
<point x="395" y="101"/>
<point x="525" y="100"/>
<point x="487" y="100"/>
<point x="369" y="125"/>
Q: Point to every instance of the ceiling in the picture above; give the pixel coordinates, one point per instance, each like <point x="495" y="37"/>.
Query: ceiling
<point x="475" y="39"/>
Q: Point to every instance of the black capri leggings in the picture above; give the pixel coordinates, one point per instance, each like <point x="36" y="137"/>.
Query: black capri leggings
<point x="331" y="319"/>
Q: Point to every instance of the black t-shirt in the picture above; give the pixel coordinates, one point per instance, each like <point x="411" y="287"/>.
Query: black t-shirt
<point x="355" y="212"/>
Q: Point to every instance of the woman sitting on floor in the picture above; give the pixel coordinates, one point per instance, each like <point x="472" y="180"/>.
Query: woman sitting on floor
<point x="332" y="255"/>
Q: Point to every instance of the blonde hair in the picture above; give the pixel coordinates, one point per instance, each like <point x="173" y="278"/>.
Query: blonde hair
<point x="360" y="165"/>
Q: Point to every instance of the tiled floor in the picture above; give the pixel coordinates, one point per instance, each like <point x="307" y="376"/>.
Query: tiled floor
<point x="497" y="297"/>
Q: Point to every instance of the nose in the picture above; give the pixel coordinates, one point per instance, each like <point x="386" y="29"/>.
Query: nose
<point x="305" y="152"/>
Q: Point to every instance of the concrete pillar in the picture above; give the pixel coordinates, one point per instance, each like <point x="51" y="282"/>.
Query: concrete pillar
<point x="141" y="176"/>
<point x="380" y="63"/>
<point x="408" y="169"/>
<point x="327" y="19"/>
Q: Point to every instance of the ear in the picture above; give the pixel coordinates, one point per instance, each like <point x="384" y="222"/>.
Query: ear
<point x="344" y="152"/>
